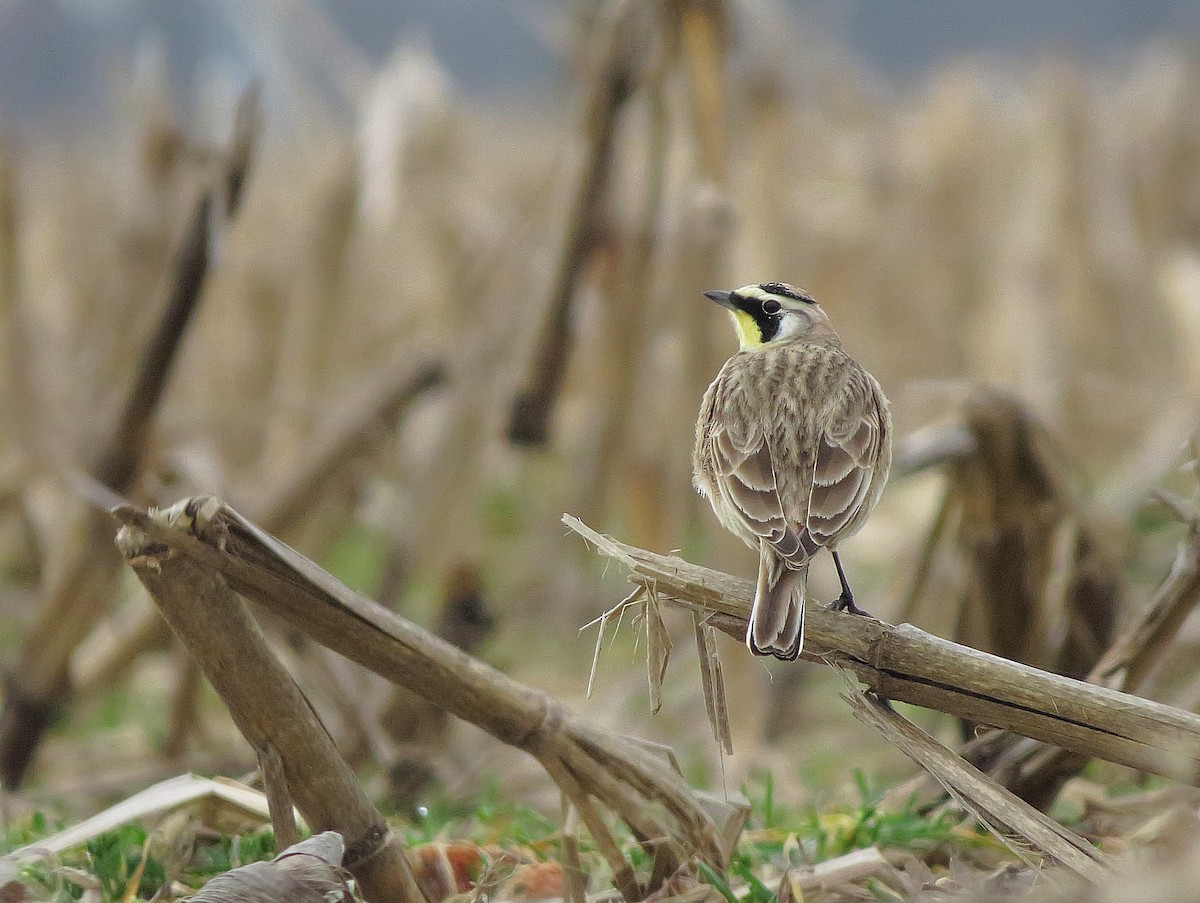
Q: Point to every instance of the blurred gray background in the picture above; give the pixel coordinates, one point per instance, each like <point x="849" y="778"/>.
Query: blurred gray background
<point x="58" y="57"/>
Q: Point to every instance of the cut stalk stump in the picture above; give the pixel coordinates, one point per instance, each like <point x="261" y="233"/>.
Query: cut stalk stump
<point x="271" y="712"/>
<point x="201" y="548"/>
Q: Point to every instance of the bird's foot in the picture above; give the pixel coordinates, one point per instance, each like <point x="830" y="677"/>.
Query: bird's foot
<point x="845" y="602"/>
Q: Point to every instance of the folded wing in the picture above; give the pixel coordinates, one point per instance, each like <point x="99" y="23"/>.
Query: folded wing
<point x="847" y="454"/>
<point x="744" y="475"/>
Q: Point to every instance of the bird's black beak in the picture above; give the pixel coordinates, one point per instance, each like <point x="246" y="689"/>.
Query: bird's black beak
<point x="725" y="299"/>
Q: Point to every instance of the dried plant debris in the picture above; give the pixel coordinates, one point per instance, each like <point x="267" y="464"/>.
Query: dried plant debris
<point x="712" y="681"/>
<point x="306" y="872"/>
<point x="597" y="771"/>
<point x="505" y="852"/>
<point x="1033" y="561"/>
<point x="658" y="647"/>
<point x="658" y="654"/>
<point x="996" y="808"/>
<point x="222" y="804"/>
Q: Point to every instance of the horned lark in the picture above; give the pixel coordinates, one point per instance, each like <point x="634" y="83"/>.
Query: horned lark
<point x="793" y="447"/>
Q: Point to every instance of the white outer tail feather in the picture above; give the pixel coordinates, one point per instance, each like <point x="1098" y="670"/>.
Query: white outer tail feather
<point x="776" y="624"/>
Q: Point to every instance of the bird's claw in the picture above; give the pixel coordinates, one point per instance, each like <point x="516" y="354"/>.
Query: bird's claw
<point x="845" y="603"/>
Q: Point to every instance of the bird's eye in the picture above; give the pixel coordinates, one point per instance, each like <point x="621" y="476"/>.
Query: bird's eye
<point x="771" y="307"/>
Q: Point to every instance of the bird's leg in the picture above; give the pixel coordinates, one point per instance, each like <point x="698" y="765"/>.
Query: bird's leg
<point x="845" y="602"/>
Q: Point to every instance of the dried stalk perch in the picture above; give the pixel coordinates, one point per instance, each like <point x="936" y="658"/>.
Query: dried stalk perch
<point x="38" y="686"/>
<point x="592" y="768"/>
<point x="271" y="711"/>
<point x="909" y="665"/>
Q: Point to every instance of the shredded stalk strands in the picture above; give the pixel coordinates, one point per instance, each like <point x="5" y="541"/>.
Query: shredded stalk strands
<point x="658" y="649"/>
<point x="271" y="712"/>
<point x="38" y="686"/>
<point x="592" y="768"/>
<point x="713" y="683"/>
<point x="1002" y="812"/>
<point x="908" y="665"/>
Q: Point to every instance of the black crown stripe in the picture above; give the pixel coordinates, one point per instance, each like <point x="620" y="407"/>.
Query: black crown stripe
<point x="786" y="291"/>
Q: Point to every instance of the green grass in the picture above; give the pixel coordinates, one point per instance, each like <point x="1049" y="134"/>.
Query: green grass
<point x="490" y="819"/>
<point x="777" y="837"/>
<point x="787" y="838"/>
<point x="114" y="858"/>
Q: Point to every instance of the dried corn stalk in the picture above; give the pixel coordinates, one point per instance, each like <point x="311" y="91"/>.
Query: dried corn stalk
<point x="76" y="600"/>
<point x="909" y="665"/>
<point x="298" y="757"/>
<point x="594" y="769"/>
<point x="1040" y="586"/>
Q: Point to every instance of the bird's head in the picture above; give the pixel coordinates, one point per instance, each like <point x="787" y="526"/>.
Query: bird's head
<point x="773" y="312"/>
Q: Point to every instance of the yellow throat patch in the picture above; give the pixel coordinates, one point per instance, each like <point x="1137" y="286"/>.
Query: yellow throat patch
<point x="748" y="333"/>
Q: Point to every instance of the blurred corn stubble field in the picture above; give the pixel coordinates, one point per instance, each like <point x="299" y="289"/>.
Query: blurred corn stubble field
<point x="1032" y="229"/>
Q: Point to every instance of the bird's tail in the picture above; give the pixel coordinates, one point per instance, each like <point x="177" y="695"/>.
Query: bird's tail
<point x="777" y="619"/>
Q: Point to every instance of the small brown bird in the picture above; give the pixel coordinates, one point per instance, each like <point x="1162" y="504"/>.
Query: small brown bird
<point x="793" y="448"/>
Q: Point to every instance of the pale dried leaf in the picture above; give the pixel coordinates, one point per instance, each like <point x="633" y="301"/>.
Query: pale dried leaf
<point x="841" y="870"/>
<point x="999" y="810"/>
<point x="219" y="796"/>
<point x="658" y="649"/>
<point x="713" y="682"/>
<point x="614" y="613"/>
<point x="307" y="872"/>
